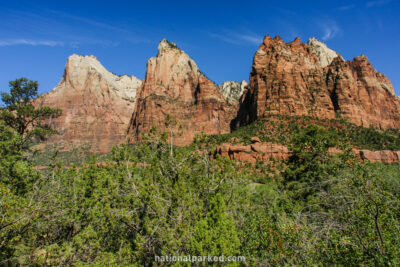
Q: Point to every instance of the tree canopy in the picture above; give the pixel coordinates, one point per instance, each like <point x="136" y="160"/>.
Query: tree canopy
<point x="23" y="115"/>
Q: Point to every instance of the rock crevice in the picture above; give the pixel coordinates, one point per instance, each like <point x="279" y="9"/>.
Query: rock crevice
<point x="184" y="93"/>
<point x="313" y="80"/>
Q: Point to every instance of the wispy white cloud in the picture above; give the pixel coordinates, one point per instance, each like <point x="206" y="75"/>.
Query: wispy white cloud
<point x="125" y="34"/>
<point x="376" y="3"/>
<point x="346" y="7"/>
<point x="253" y="39"/>
<point x="330" y="30"/>
<point x="238" y="38"/>
<point x="30" y="42"/>
<point x="57" y="28"/>
<point x="87" y="21"/>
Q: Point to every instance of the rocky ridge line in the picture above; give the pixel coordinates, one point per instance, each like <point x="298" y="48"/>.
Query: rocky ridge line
<point x="96" y="105"/>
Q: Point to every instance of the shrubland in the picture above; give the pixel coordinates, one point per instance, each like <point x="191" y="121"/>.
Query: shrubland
<point x="149" y="199"/>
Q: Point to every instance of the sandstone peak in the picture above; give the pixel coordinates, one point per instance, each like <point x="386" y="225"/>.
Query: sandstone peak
<point x="362" y="57"/>
<point x="313" y="80"/>
<point x="174" y="85"/>
<point x="277" y="38"/>
<point x="96" y="105"/>
<point x="285" y="79"/>
<point x="79" y="69"/>
<point x="296" y="41"/>
<point x="84" y="62"/>
<point x="324" y="54"/>
<point x="166" y="45"/>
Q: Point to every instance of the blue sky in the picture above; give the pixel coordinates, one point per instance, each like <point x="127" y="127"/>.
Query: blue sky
<point x="36" y="37"/>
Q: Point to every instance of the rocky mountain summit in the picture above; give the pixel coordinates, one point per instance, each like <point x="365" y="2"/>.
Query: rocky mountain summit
<point x="361" y="94"/>
<point x="96" y="105"/>
<point x="175" y="86"/>
<point x="289" y="79"/>
<point x="293" y="79"/>
<point x="285" y="79"/>
<point x="324" y="54"/>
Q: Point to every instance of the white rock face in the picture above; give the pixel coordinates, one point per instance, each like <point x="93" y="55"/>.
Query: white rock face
<point x="233" y="90"/>
<point x="128" y="85"/>
<point x="79" y="67"/>
<point x="325" y="54"/>
<point x="96" y="105"/>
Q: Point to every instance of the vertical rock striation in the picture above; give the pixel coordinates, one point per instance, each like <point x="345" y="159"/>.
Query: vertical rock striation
<point x="175" y="86"/>
<point x="361" y="94"/>
<point x="96" y="105"/>
<point x="311" y="79"/>
<point x="285" y="79"/>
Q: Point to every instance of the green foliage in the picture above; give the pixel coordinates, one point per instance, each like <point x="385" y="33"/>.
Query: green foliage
<point x="153" y="199"/>
<point x="47" y="155"/>
<point x="14" y="170"/>
<point x="216" y="234"/>
<point x="280" y="129"/>
<point x="16" y="178"/>
<point x="20" y="113"/>
<point x="309" y="162"/>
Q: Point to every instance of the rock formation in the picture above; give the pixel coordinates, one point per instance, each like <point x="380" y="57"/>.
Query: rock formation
<point x="285" y="79"/>
<point x="96" y="105"/>
<point x="233" y="90"/>
<point x="325" y="55"/>
<point x="265" y="151"/>
<point x="175" y="86"/>
<point x="361" y="94"/>
<point x="290" y="79"/>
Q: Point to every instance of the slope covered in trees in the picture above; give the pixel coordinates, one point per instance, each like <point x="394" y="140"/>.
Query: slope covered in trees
<point x="145" y="201"/>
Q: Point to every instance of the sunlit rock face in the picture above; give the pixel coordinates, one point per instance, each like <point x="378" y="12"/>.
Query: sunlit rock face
<point x="175" y="86"/>
<point x="361" y="94"/>
<point x="310" y="79"/>
<point x="285" y="79"/>
<point x="325" y="55"/>
<point x="233" y="90"/>
<point x="96" y="105"/>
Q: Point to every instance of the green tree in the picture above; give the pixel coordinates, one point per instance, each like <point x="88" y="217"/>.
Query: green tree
<point x="216" y="234"/>
<point x="21" y="114"/>
<point x="310" y="161"/>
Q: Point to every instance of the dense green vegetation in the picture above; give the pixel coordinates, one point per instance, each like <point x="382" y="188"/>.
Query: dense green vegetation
<point x="280" y="129"/>
<point x="147" y="201"/>
<point x="45" y="155"/>
<point x="152" y="199"/>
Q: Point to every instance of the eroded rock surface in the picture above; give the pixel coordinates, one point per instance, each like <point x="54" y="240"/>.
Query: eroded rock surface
<point x="324" y="54"/>
<point x="265" y="151"/>
<point x="361" y="94"/>
<point x="310" y="79"/>
<point x="233" y="90"/>
<point x="97" y="105"/>
<point x="285" y="79"/>
<point x="175" y="86"/>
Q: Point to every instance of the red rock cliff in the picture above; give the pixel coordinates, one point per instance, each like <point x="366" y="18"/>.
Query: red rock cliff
<point x="287" y="79"/>
<point x="361" y="94"/>
<point x="174" y="85"/>
<point x="96" y="105"/>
